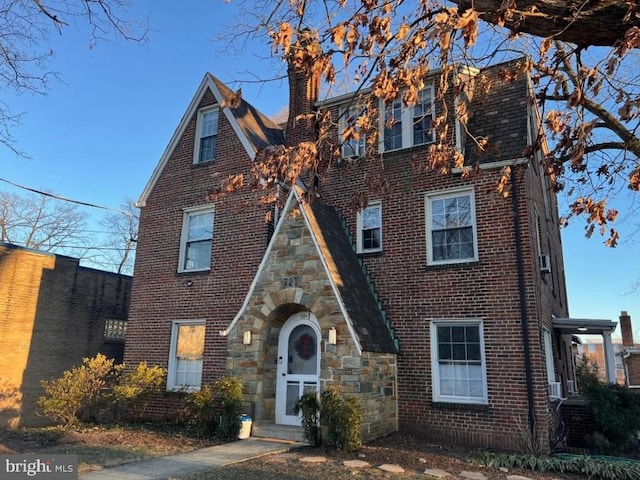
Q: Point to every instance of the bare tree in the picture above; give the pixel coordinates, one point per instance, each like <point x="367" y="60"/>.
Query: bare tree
<point x="582" y="56"/>
<point x="39" y="222"/>
<point x="25" y="29"/>
<point x="122" y="237"/>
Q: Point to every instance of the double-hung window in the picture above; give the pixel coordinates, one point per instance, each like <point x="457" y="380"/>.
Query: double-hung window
<point x="458" y="361"/>
<point x="370" y="228"/>
<point x="206" y="137"/>
<point x="451" y="227"/>
<point x="352" y="147"/>
<point x="407" y="126"/>
<point x="185" y="356"/>
<point x="197" y="239"/>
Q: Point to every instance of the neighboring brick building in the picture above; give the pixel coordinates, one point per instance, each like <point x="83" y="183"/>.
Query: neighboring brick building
<point x="52" y="314"/>
<point x="440" y="304"/>
<point x="630" y="352"/>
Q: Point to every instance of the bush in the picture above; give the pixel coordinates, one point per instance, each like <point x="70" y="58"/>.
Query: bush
<point x="134" y="390"/>
<point x="309" y="407"/>
<point x="616" y="414"/>
<point x="78" y="395"/>
<point x="342" y="418"/>
<point x="216" y="410"/>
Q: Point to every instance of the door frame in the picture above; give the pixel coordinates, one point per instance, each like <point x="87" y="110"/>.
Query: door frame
<point x="297" y="319"/>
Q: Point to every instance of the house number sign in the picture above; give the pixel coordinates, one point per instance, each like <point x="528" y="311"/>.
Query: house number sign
<point x="291" y="282"/>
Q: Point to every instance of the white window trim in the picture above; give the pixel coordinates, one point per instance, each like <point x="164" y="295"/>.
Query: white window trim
<point x="345" y="111"/>
<point x="406" y="117"/>
<point x="435" y="370"/>
<point x="360" y="248"/>
<point x="172" y="363"/>
<point x="187" y="213"/>
<point x="444" y="194"/>
<point x="199" y="119"/>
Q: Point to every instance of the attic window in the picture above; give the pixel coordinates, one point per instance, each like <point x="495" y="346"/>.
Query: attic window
<point x="207" y="133"/>
<point x="407" y="126"/>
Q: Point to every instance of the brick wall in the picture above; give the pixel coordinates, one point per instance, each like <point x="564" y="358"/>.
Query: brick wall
<point x="52" y="314"/>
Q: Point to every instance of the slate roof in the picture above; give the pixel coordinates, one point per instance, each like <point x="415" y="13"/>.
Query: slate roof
<point x="501" y="115"/>
<point x="258" y="128"/>
<point x="364" y="310"/>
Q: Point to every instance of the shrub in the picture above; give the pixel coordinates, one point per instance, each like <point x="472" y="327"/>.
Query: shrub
<point x="78" y="395"/>
<point x="342" y="418"/>
<point x="616" y="414"/>
<point x="309" y="407"/>
<point x="216" y="409"/>
<point x="135" y="388"/>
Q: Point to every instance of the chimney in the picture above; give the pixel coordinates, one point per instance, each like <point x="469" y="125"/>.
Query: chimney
<point x="627" y="331"/>
<point x="304" y="86"/>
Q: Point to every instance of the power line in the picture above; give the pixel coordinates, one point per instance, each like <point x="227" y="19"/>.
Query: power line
<point x="64" y="199"/>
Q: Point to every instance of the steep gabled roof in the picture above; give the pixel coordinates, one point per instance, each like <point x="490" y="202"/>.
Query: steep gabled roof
<point x="254" y="130"/>
<point x="360" y="303"/>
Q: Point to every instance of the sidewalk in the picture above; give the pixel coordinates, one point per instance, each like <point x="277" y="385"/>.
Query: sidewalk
<point x="202" y="460"/>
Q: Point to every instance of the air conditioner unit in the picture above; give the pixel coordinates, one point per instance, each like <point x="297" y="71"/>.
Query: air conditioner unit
<point x="555" y="390"/>
<point x="545" y="263"/>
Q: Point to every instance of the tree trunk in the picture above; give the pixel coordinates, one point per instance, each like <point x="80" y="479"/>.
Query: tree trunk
<point x="582" y="22"/>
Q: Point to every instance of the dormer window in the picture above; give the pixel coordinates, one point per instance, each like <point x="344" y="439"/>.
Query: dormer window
<point x="207" y="133"/>
<point x="404" y="126"/>
<point x="352" y="147"/>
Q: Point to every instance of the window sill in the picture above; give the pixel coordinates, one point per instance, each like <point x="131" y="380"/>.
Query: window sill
<point x="447" y="266"/>
<point x="373" y="253"/>
<point x="476" y="407"/>
<point x="202" y="164"/>
<point x="204" y="271"/>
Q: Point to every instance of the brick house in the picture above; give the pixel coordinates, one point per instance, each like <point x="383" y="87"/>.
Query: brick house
<point x="53" y="312"/>
<point x="630" y="352"/>
<point x="438" y="303"/>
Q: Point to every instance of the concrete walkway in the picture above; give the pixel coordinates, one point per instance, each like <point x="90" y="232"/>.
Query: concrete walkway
<point x="202" y="460"/>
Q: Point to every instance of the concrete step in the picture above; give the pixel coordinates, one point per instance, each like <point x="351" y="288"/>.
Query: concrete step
<point x="280" y="432"/>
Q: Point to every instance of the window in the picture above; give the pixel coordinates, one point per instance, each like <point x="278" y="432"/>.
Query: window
<point x="451" y="227"/>
<point x="207" y="132"/>
<point x="185" y="356"/>
<point x="458" y="363"/>
<point x="405" y="126"/>
<point x="115" y="329"/>
<point x="352" y="148"/>
<point x="370" y="228"/>
<point x="197" y="238"/>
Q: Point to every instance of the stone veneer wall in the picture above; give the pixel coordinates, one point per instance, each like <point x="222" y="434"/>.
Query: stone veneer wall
<point x="370" y="376"/>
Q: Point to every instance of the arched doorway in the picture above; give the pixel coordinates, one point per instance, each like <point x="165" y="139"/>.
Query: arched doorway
<point x="298" y="366"/>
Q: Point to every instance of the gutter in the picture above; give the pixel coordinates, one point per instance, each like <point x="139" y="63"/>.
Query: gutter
<point x="522" y="299"/>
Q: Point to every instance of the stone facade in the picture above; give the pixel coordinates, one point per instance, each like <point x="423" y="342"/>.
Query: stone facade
<point x="369" y="376"/>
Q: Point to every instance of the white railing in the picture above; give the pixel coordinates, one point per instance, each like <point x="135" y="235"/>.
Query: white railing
<point x="571" y="387"/>
<point x="555" y="390"/>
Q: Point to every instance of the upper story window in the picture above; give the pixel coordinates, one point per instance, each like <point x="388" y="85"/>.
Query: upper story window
<point x="196" y="240"/>
<point x="458" y="361"/>
<point x="185" y="356"/>
<point x="405" y="126"/>
<point x="451" y="227"/>
<point x="370" y="228"/>
<point x="206" y="135"/>
<point x="352" y="147"/>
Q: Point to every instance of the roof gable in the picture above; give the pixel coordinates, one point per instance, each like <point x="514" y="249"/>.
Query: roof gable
<point x="358" y="304"/>
<point x="254" y="130"/>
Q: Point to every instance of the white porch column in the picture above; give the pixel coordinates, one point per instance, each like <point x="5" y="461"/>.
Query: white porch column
<point x="609" y="358"/>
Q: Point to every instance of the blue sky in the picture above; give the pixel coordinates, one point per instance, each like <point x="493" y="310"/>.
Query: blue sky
<point x="97" y="135"/>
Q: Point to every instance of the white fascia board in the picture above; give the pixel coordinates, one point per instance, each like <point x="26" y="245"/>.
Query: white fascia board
<point x="207" y="82"/>
<point x="261" y="267"/>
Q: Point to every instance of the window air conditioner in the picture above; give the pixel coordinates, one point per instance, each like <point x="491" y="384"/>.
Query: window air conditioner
<point x="555" y="390"/>
<point x="545" y="263"/>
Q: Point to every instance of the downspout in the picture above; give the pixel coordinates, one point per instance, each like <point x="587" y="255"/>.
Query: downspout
<point x="523" y="305"/>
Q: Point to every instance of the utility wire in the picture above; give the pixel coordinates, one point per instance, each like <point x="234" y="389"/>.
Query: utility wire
<point x="64" y="199"/>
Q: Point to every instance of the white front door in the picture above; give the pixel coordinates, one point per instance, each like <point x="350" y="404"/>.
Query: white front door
<point x="298" y="364"/>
